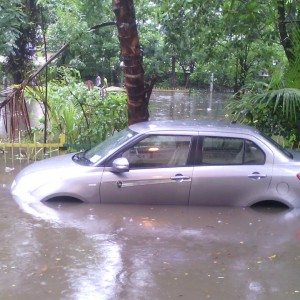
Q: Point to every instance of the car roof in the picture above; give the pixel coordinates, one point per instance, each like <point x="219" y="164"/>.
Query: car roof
<point x="193" y="125"/>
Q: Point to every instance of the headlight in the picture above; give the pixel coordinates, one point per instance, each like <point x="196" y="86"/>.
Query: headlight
<point x="29" y="183"/>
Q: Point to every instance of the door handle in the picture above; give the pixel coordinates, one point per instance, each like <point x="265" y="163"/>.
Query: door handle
<point x="257" y="176"/>
<point x="180" y="177"/>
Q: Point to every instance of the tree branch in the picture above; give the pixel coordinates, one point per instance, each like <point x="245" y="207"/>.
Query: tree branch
<point x="61" y="50"/>
<point x="94" y="28"/>
<point x="41" y="68"/>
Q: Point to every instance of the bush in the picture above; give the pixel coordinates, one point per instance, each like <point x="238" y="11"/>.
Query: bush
<point x="85" y="116"/>
<point x="274" y="112"/>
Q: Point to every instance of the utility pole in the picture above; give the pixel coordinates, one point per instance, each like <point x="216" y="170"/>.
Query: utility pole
<point x="211" y="90"/>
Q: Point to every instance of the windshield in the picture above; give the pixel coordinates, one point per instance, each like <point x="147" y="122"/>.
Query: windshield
<point x="278" y="146"/>
<point x="109" y="145"/>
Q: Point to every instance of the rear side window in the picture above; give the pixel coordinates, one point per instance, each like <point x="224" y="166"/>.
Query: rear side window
<point x="231" y="151"/>
<point x="253" y="154"/>
<point x="222" y="151"/>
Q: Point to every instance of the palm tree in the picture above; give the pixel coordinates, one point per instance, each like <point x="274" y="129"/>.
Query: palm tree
<point x="138" y="90"/>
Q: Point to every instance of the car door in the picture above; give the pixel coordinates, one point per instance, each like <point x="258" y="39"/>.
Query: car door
<point x="231" y="171"/>
<point x="160" y="172"/>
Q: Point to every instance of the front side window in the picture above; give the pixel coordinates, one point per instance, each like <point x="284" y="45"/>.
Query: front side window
<point x="159" y="151"/>
<point x="231" y="151"/>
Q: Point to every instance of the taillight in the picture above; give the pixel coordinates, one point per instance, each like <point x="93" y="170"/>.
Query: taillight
<point x="298" y="176"/>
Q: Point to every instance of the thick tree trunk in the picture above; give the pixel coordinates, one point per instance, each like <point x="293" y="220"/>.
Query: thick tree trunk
<point x="285" y="39"/>
<point x="138" y="94"/>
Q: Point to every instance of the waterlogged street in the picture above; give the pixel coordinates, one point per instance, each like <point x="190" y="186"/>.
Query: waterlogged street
<point x="76" y="251"/>
<point x="82" y="251"/>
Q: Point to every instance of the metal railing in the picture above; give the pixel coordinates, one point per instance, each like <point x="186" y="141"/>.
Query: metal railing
<point x="21" y="151"/>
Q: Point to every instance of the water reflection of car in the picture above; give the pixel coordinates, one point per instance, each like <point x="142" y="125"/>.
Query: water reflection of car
<point x="170" y="162"/>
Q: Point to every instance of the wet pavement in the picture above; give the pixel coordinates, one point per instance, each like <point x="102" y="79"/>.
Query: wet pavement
<point x="82" y="251"/>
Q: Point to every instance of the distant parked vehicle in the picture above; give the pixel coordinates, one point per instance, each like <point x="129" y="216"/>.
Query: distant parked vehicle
<point x="171" y="162"/>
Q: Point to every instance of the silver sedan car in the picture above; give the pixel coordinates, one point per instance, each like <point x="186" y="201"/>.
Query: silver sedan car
<point x="170" y="162"/>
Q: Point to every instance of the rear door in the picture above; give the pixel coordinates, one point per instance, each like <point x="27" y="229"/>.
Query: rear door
<point x="231" y="171"/>
<point x="160" y="171"/>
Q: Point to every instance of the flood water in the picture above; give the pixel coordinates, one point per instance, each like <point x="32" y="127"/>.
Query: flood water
<point x="82" y="251"/>
<point x="182" y="105"/>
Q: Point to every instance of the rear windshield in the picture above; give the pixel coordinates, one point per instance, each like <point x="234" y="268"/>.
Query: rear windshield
<point x="278" y="146"/>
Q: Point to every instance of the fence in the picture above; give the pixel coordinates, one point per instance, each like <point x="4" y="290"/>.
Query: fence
<point x="22" y="151"/>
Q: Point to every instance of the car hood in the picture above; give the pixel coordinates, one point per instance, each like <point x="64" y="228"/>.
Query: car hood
<point x="50" y="164"/>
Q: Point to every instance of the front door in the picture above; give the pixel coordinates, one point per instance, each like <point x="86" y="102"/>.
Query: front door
<point x="160" y="172"/>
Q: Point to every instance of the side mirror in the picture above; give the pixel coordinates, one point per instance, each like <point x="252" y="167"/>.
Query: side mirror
<point x="120" y="165"/>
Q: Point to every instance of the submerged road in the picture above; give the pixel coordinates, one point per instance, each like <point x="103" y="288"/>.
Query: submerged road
<point x="81" y="251"/>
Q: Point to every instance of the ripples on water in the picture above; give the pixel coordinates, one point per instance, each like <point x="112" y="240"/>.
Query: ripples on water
<point x="182" y="105"/>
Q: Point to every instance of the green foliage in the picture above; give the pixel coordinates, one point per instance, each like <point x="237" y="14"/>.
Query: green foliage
<point x="273" y="112"/>
<point x="90" y="52"/>
<point x="292" y="73"/>
<point x="83" y="115"/>
<point x="232" y="39"/>
<point x="18" y="23"/>
<point x="275" y="107"/>
<point x="11" y="18"/>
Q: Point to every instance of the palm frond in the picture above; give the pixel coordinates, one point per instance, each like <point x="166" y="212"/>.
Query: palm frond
<point x="287" y="100"/>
